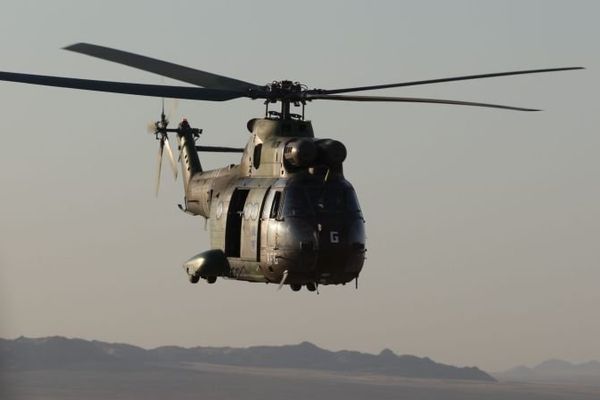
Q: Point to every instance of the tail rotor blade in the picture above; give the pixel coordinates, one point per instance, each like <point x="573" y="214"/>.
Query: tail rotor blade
<point x="171" y="158"/>
<point x="159" y="164"/>
<point x="151" y="127"/>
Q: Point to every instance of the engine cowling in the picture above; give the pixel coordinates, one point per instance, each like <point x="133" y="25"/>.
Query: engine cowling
<point x="331" y="152"/>
<point x="300" y="152"/>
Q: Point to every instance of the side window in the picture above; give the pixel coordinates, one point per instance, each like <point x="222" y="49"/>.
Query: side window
<point x="256" y="156"/>
<point x="275" y="205"/>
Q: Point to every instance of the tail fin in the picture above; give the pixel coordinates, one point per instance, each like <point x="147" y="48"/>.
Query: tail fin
<point x="190" y="163"/>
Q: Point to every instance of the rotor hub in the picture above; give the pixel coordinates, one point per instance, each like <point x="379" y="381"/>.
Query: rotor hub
<point x="285" y="90"/>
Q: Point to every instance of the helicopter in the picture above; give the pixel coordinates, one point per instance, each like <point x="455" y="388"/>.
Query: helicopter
<point x="285" y="214"/>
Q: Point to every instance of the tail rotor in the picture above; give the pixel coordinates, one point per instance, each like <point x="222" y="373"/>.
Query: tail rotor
<point x="159" y="129"/>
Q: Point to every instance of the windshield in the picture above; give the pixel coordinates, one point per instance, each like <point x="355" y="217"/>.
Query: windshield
<point x="308" y="200"/>
<point x="295" y="202"/>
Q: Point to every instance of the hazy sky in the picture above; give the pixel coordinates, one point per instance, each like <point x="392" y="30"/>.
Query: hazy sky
<point x="483" y="225"/>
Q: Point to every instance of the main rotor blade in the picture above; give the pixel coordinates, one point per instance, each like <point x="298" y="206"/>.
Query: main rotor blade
<point x="171" y="158"/>
<point x="413" y="100"/>
<point x="170" y="70"/>
<point x="441" y="80"/>
<point x="179" y="92"/>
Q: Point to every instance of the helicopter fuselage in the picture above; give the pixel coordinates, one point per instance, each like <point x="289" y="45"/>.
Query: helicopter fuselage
<point x="285" y="214"/>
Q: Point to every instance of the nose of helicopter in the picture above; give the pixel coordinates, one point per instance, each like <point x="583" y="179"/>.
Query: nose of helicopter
<point x="341" y="251"/>
<point x="331" y="251"/>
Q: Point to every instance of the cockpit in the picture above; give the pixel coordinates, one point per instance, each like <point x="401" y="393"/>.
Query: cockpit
<point x="301" y="200"/>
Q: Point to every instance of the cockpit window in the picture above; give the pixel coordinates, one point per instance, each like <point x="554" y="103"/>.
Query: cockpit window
<point x="310" y="200"/>
<point x="295" y="202"/>
<point x="328" y="199"/>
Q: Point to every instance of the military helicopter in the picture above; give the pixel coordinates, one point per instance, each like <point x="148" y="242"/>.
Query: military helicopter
<point x="285" y="214"/>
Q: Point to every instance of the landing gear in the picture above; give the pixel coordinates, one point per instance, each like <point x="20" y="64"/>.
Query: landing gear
<point x="196" y="278"/>
<point x="311" y="287"/>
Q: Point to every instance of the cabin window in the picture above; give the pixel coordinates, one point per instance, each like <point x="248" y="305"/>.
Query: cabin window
<point x="256" y="156"/>
<point x="275" y="205"/>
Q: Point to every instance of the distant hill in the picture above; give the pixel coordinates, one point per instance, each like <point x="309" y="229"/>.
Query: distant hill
<point x="63" y="353"/>
<point x="556" y="371"/>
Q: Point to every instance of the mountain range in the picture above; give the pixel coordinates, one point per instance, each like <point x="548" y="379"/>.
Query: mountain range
<point x="554" y="371"/>
<point x="56" y="352"/>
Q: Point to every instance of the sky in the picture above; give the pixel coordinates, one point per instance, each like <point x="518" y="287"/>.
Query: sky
<point x="483" y="225"/>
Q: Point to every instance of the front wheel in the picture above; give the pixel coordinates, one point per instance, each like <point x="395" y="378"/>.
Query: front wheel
<point x="296" y="287"/>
